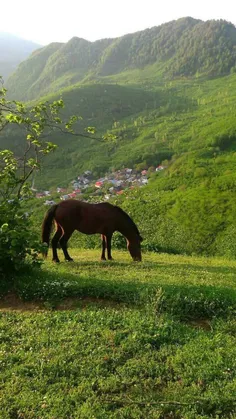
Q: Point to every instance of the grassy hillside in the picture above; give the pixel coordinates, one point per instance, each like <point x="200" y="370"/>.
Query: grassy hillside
<point x="189" y="207"/>
<point x="178" y="117"/>
<point x="150" y="124"/>
<point x="186" y="122"/>
<point x="120" y="339"/>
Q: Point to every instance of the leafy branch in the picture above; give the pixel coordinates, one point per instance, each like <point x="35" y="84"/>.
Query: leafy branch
<point x="38" y="123"/>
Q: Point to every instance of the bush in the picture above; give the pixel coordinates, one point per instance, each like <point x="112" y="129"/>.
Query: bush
<point x="18" y="244"/>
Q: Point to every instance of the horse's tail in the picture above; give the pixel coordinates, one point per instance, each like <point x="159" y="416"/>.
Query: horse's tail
<point x="47" y="227"/>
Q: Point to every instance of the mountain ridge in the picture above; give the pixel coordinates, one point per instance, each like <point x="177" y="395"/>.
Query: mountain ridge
<point x="186" y="47"/>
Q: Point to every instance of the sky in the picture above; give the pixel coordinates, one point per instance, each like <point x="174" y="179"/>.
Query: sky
<point x="46" y="21"/>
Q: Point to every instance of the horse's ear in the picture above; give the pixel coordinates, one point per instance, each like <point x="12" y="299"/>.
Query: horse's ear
<point x="141" y="239"/>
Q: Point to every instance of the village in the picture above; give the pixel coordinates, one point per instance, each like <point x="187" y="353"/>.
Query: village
<point x="115" y="183"/>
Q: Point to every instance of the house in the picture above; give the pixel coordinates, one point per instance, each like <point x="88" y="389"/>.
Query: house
<point x="76" y="185"/>
<point x="47" y="193"/>
<point x="116" y="182"/>
<point x="98" y="184"/>
<point x="64" y="197"/>
<point x="130" y="179"/>
<point x="159" y="168"/>
<point x="60" y="190"/>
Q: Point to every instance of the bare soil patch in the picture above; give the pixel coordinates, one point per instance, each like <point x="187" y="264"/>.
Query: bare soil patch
<point x="12" y="302"/>
<point x="201" y="324"/>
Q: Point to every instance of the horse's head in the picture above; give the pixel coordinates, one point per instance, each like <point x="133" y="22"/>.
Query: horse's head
<point x="134" y="247"/>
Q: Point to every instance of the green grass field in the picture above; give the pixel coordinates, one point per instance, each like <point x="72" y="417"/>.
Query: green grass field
<point x="92" y="339"/>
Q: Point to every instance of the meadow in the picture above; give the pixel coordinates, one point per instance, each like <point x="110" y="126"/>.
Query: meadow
<point x="119" y="339"/>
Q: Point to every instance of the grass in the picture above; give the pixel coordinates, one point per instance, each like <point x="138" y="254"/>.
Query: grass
<point x="121" y="340"/>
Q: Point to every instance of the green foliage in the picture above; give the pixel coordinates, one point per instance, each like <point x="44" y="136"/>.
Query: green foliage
<point x="19" y="246"/>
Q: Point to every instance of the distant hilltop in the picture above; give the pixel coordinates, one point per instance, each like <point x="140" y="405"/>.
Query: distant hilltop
<point x="185" y="47"/>
<point x="13" y="50"/>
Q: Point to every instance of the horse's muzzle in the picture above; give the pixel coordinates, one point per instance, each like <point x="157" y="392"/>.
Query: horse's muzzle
<point x="137" y="259"/>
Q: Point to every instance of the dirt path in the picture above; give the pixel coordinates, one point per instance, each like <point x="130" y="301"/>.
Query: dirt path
<point x="11" y="302"/>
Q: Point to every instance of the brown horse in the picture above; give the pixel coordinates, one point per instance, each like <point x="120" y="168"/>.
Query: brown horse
<point x="104" y="218"/>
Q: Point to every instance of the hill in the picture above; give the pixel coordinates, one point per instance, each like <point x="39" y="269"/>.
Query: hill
<point x="13" y="50"/>
<point x="190" y="206"/>
<point x="150" y="125"/>
<point x="187" y="123"/>
<point x="185" y="47"/>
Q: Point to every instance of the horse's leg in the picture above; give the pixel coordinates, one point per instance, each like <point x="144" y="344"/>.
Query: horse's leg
<point x="108" y="240"/>
<point x="63" y="242"/>
<point x="55" y="240"/>
<point x="104" y="245"/>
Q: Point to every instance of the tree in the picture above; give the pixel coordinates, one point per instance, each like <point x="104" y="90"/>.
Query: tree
<point x="17" y="243"/>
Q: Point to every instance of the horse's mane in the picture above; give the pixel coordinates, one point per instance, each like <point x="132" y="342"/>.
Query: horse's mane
<point x="129" y="220"/>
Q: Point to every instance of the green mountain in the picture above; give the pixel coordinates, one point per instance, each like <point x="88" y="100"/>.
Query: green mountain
<point x="13" y="50"/>
<point x="169" y="96"/>
<point x="185" y="47"/>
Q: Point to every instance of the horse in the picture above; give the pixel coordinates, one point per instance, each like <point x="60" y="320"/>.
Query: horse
<point x="103" y="218"/>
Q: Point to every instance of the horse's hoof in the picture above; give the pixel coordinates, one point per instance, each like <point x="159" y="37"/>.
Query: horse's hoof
<point x="56" y="260"/>
<point x="103" y="259"/>
<point x="70" y="260"/>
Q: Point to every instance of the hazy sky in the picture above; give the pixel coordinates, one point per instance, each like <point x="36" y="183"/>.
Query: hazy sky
<point x="45" y="21"/>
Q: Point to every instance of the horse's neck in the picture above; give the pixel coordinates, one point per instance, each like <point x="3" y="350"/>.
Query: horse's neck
<point x="127" y="230"/>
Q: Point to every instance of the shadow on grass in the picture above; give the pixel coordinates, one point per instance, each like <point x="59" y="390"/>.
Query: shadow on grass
<point x="183" y="301"/>
<point x="169" y="266"/>
<point x="204" y="268"/>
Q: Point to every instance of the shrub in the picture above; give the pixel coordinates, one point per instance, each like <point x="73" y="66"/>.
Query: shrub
<point x="18" y="244"/>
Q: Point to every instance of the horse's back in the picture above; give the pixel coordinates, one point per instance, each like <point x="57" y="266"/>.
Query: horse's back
<point x="86" y="217"/>
<point x="75" y="203"/>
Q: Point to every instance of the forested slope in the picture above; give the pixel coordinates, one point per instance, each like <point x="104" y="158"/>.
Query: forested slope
<point x="185" y="47"/>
